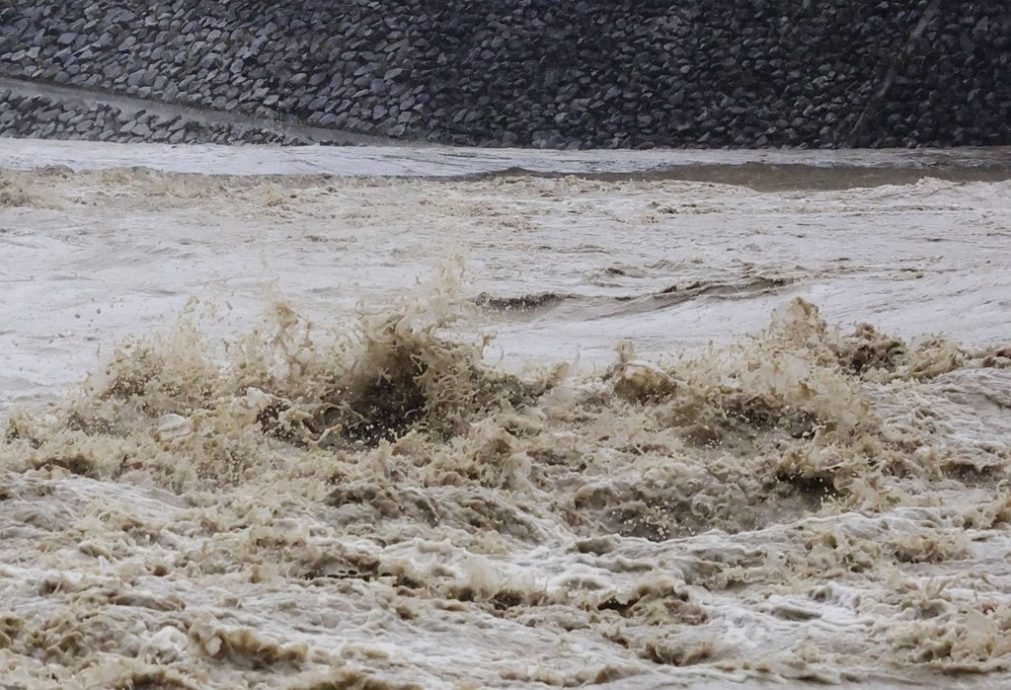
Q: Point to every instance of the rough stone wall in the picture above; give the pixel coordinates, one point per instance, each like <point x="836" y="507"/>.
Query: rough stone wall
<point x="558" y="73"/>
<point x="42" y="117"/>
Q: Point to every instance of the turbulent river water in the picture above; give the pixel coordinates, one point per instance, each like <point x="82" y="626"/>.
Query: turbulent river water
<point x="447" y="418"/>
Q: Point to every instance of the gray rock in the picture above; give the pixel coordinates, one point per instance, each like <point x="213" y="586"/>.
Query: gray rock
<point x="715" y="72"/>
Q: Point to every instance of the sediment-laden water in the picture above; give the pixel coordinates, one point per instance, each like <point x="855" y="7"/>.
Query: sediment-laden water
<point x="307" y="431"/>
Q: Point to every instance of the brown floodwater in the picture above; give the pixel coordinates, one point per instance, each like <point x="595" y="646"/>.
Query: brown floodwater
<point x="319" y="418"/>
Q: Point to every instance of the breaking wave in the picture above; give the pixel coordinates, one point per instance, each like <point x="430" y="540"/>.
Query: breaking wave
<point x="640" y="507"/>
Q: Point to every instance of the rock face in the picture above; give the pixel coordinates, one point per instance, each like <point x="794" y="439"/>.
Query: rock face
<point x="40" y="117"/>
<point x="546" y="73"/>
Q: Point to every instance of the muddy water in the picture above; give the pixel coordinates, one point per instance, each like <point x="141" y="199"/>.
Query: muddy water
<point x="307" y="431"/>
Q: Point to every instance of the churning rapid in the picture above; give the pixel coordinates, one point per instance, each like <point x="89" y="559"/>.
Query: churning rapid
<point x="510" y="431"/>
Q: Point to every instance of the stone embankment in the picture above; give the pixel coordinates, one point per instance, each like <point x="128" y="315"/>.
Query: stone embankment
<point x="577" y="73"/>
<point x="41" y="117"/>
<point x="41" y="111"/>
